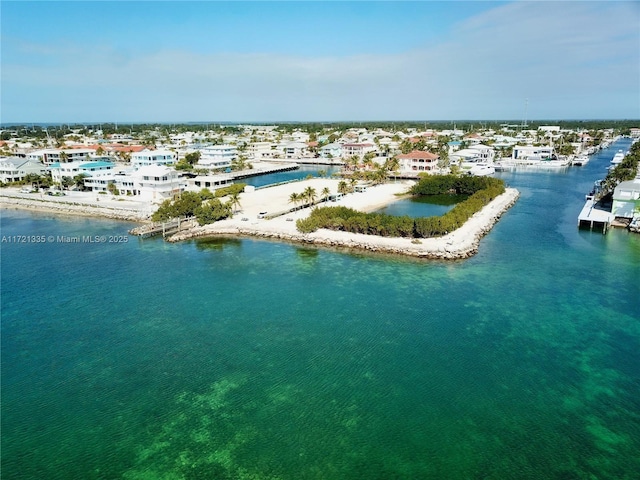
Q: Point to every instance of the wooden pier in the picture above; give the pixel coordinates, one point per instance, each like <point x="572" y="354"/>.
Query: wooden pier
<point x="163" y="228"/>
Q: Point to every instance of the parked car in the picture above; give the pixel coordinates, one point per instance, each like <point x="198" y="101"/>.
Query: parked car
<point x="262" y="215"/>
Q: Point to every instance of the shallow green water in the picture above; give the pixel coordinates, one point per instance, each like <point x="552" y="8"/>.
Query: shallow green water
<point x="256" y="359"/>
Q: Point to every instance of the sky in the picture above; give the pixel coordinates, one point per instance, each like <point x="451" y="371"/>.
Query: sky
<point x="265" y="61"/>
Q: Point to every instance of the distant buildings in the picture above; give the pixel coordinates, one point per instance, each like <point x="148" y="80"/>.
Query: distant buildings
<point x="52" y="155"/>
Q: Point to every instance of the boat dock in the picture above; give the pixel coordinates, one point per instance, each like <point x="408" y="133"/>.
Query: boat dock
<point x="263" y="170"/>
<point x="592" y="217"/>
<point x="163" y="228"/>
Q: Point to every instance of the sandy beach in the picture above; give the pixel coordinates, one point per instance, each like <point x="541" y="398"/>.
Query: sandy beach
<point x="462" y="243"/>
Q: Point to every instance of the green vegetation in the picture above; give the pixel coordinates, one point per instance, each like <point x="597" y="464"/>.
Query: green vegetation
<point x="624" y="171"/>
<point x="481" y="191"/>
<point x="189" y="160"/>
<point x="111" y="188"/>
<point x="202" y="205"/>
<point x="33" y="179"/>
<point x="235" y="188"/>
<point x="212" y="210"/>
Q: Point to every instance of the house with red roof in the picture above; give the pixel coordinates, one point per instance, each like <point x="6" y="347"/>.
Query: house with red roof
<point x="418" y="161"/>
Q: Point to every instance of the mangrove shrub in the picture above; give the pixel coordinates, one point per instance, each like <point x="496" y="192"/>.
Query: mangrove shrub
<point x="481" y="191"/>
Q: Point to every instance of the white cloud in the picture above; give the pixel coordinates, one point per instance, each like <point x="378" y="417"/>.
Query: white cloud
<point x="570" y="59"/>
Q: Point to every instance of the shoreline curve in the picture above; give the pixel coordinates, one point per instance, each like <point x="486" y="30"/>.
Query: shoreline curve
<point x="460" y="244"/>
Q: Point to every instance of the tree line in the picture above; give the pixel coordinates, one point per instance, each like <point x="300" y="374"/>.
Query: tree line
<point x="624" y="171"/>
<point x="205" y="205"/>
<point x="481" y="191"/>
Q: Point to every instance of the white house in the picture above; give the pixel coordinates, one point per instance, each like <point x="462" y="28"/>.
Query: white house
<point x="157" y="183"/>
<point x="626" y="199"/>
<point x="418" y="161"/>
<point x="301" y="137"/>
<point x="474" y="154"/>
<point x="261" y="150"/>
<point x="357" y="149"/>
<point x="217" y="156"/>
<point x="88" y="169"/>
<point x="331" y="150"/>
<point x="153" y="157"/>
<point x="52" y="155"/>
<point x="295" y="149"/>
<point x="14" y="169"/>
<point x="528" y="152"/>
<point x="212" y="182"/>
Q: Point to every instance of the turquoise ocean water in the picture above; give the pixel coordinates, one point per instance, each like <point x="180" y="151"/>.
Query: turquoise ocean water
<point x="237" y="359"/>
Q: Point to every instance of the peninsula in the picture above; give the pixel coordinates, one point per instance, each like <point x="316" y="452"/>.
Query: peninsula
<point x="273" y="204"/>
<point x="259" y="217"/>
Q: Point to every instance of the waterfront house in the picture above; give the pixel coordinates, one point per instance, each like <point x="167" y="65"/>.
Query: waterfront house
<point x="331" y="150"/>
<point x="474" y="154"/>
<point x="418" y="161"/>
<point x="531" y="153"/>
<point x="90" y="170"/>
<point x="217" y="156"/>
<point x="261" y="150"/>
<point x="293" y="150"/>
<point x="357" y="149"/>
<point x="157" y="183"/>
<point x="626" y="199"/>
<point x="153" y="157"/>
<point x="14" y="169"/>
<point x="212" y="182"/>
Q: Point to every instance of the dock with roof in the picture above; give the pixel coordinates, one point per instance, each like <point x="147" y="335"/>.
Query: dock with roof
<point x="592" y="216"/>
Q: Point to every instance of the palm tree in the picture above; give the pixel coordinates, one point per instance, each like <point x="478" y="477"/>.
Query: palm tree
<point x="379" y="175"/>
<point x="343" y="188"/>
<point x="354" y="160"/>
<point x="294" y="198"/>
<point x="325" y="193"/>
<point x="79" y="181"/>
<point x="367" y="160"/>
<point x="310" y="195"/>
<point x="234" y="200"/>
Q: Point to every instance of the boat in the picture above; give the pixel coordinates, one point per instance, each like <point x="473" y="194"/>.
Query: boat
<point x="580" y="160"/>
<point x="617" y="158"/>
<point x="482" y="170"/>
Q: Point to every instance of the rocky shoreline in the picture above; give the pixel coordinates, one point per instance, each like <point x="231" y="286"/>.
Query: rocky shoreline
<point x="460" y="244"/>
<point x="463" y="243"/>
<point x="71" y="208"/>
